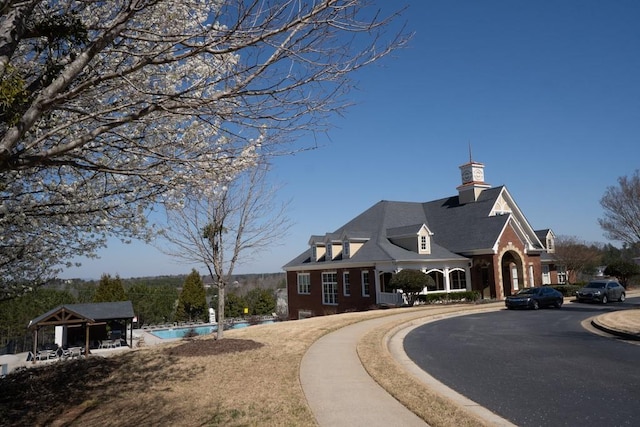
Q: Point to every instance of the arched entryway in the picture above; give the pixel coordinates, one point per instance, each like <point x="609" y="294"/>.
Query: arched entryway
<point x="512" y="273"/>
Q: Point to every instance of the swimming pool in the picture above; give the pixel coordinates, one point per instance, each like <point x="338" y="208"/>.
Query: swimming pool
<point x="174" y="333"/>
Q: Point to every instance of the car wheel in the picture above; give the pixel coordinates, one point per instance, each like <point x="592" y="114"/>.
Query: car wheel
<point x="558" y="304"/>
<point x="536" y="305"/>
<point x="605" y="299"/>
<point x="622" y="297"/>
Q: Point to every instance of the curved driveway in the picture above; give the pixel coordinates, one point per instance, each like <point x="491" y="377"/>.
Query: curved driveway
<point x="534" y="367"/>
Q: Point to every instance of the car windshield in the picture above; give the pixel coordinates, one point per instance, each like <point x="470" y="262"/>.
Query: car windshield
<point x="596" y="285"/>
<point x="527" y="291"/>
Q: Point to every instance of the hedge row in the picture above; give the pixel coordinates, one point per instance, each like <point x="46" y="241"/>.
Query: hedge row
<point x="567" y="290"/>
<point x="448" y="297"/>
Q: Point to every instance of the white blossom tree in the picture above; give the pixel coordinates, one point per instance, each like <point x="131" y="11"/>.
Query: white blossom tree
<point x="224" y="223"/>
<point x="107" y="108"/>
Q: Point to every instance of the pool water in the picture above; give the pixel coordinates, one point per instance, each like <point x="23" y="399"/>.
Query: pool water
<point x="173" y="333"/>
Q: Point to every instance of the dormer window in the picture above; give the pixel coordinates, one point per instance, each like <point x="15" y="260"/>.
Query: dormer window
<point x="550" y="244"/>
<point x="424" y="241"/>
<point x="317" y="251"/>
<point x="346" y="249"/>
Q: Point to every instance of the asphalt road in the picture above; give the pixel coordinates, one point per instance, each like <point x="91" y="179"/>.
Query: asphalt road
<point x="535" y="368"/>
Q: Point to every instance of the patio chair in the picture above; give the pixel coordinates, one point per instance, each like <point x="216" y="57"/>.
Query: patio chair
<point x="105" y="344"/>
<point x="75" y="352"/>
<point x="45" y="355"/>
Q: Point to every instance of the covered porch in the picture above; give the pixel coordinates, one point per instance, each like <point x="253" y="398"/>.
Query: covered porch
<point x="86" y="326"/>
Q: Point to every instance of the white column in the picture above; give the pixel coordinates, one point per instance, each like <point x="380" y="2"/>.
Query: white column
<point x="532" y="282"/>
<point x="447" y="284"/>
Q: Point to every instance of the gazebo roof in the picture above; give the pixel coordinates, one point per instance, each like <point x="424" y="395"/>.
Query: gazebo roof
<point x="84" y="313"/>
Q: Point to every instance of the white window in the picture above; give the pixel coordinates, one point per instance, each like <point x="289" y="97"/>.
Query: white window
<point x="423" y="243"/>
<point x="562" y="274"/>
<point x="438" y="281"/>
<point x="345" y="249"/>
<point x="304" y="314"/>
<point x="366" y="286"/>
<point x="550" y="245"/>
<point x="330" y="288"/>
<point x="304" y="283"/>
<point x="458" y="279"/>
<point x="329" y="252"/>
<point x="514" y="277"/>
<point x="346" y="285"/>
<point x="314" y="253"/>
<point x="546" y="277"/>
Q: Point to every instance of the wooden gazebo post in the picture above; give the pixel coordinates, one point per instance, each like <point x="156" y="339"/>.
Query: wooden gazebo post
<point x="86" y="344"/>
<point x="35" y="345"/>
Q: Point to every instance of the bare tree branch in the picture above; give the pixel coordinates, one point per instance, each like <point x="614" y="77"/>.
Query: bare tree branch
<point x="221" y="225"/>
<point x="621" y="206"/>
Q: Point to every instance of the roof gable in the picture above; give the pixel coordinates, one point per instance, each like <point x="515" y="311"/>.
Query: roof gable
<point x="88" y="312"/>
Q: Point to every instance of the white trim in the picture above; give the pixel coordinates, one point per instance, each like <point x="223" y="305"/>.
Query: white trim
<point x="362" y="274"/>
<point x="308" y="284"/>
<point x="346" y="280"/>
<point x="326" y="296"/>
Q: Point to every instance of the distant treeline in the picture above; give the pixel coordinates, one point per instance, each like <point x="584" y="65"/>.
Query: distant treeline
<point x="241" y="283"/>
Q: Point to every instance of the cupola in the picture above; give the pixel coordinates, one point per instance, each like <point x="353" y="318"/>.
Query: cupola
<point x="473" y="184"/>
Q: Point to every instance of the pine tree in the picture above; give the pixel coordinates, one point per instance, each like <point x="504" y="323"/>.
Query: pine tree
<point x="110" y="289"/>
<point x="192" y="303"/>
<point x="261" y="301"/>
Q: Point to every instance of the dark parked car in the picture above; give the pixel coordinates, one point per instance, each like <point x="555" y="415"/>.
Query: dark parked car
<point x="535" y="298"/>
<point x="602" y="291"/>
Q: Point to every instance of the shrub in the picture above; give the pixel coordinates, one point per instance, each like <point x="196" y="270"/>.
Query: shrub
<point x="449" y="297"/>
<point x="567" y="290"/>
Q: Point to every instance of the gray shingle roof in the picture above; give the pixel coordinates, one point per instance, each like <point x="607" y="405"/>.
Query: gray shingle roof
<point x="457" y="229"/>
<point x="92" y="311"/>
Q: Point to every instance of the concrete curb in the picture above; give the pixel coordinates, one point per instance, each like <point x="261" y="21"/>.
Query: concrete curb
<point x="622" y="323"/>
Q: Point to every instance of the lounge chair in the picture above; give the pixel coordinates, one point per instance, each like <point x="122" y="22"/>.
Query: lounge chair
<point x="75" y="352"/>
<point x="45" y="355"/>
<point x="106" y="344"/>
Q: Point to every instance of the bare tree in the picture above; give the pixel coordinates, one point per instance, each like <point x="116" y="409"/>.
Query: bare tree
<point x="576" y="255"/>
<point x="215" y="225"/>
<point x="621" y="206"/>
<point x="107" y="108"/>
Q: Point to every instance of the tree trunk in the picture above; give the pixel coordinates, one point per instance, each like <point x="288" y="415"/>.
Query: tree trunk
<point x="220" y="310"/>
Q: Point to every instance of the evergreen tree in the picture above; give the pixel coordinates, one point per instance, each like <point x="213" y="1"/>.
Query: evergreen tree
<point x="234" y="305"/>
<point x="260" y="301"/>
<point x="192" y="303"/>
<point x="16" y="313"/>
<point x="622" y="270"/>
<point x="110" y="289"/>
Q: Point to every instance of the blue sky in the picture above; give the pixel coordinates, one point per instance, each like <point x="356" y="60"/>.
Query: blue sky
<point x="546" y="93"/>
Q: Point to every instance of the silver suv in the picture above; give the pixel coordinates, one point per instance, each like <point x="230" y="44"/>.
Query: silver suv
<point x="603" y="291"/>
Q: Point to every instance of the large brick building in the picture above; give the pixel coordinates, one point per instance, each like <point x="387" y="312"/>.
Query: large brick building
<point x="476" y="240"/>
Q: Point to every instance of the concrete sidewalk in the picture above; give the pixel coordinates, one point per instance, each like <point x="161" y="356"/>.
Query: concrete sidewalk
<point x="338" y="389"/>
<point x="341" y="393"/>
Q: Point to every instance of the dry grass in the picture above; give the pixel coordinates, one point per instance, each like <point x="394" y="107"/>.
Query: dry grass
<point x="436" y="410"/>
<point x="260" y="386"/>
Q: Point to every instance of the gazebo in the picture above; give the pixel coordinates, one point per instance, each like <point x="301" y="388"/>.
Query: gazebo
<point x="85" y="316"/>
